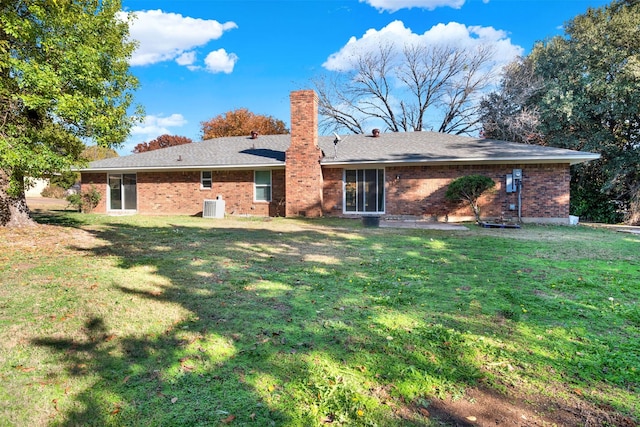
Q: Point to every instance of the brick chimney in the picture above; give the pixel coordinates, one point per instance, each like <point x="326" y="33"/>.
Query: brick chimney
<point x="303" y="174"/>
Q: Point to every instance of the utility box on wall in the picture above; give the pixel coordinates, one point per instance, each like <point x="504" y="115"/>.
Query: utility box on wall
<point x="510" y="186"/>
<point x="512" y="180"/>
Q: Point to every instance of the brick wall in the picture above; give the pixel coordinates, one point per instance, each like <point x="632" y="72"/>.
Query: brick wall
<point x="411" y="191"/>
<point x="303" y="172"/>
<point x="99" y="181"/>
<point x="419" y="191"/>
<point x="164" y="193"/>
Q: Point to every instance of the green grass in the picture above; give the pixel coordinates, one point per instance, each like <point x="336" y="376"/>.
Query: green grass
<point x="184" y="321"/>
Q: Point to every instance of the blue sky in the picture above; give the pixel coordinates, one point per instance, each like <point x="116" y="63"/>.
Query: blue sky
<point x="198" y="59"/>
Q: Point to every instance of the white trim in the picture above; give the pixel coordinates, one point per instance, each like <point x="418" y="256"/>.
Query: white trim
<point x="202" y="187"/>
<point x="255" y="186"/>
<point x="469" y="161"/>
<point x="108" y="201"/>
<point x="133" y="169"/>
<point x="379" y="185"/>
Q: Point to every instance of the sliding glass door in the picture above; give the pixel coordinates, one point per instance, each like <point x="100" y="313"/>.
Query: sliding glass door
<point x="122" y="191"/>
<point x="364" y="191"/>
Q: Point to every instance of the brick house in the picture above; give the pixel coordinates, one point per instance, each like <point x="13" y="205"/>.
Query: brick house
<point x="303" y="174"/>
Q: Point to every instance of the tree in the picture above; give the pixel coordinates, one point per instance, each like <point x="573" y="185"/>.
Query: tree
<point x="64" y="78"/>
<point x="469" y="189"/>
<point x="96" y="152"/>
<point x="242" y="122"/>
<point x="67" y="179"/>
<point x="403" y="88"/>
<point x="510" y="114"/>
<point x="163" y="141"/>
<point x="590" y="100"/>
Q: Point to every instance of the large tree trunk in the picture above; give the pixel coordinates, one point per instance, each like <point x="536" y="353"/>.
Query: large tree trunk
<point x="633" y="215"/>
<point x="14" y="211"/>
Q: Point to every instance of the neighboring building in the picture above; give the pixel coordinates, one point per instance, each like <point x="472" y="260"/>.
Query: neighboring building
<point x="303" y="174"/>
<point x="36" y="186"/>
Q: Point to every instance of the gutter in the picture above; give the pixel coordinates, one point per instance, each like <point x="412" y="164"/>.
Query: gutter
<point x="571" y="160"/>
<point x="188" y="168"/>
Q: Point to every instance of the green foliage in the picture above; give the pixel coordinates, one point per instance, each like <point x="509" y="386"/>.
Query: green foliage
<point x="469" y="189"/>
<point x="85" y="201"/>
<point x="65" y="179"/>
<point x="64" y="78"/>
<point x="591" y="204"/>
<point x="96" y="152"/>
<point x="581" y="91"/>
<point x="591" y="99"/>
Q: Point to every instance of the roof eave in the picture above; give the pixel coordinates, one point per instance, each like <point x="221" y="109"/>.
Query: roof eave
<point x="186" y="168"/>
<point x="571" y="160"/>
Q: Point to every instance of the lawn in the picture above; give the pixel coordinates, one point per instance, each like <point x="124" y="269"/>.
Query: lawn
<point x="163" y="321"/>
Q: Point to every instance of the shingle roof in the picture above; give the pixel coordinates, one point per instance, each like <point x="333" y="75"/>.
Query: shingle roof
<point x="388" y="148"/>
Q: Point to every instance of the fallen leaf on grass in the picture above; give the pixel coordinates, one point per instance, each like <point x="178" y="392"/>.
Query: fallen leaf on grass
<point x="229" y="419"/>
<point x="183" y="364"/>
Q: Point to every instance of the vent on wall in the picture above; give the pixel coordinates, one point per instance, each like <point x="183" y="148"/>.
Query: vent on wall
<point x="213" y="208"/>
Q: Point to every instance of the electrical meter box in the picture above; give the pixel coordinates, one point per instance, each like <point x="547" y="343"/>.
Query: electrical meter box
<point x="517" y="174"/>
<point x="510" y="185"/>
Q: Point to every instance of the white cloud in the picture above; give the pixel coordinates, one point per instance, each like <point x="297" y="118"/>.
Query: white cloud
<point x="151" y="128"/>
<point x="170" y="36"/>
<point x="395" y="5"/>
<point x="187" y="58"/>
<point x="220" y="61"/>
<point x="452" y="34"/>
<point x="158" y="125"/>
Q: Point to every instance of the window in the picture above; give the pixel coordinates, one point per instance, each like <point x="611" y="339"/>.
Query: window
<point x="122" y="191"/>
<point x="364" y="191"/>
<point x="262" y="182"/>
<point x="205" y="179"/>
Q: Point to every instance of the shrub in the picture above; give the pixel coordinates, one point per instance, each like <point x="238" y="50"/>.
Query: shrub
<point x="85" y="201"/>
<point x="53" y="191"/>
<point x="469" y="189"/>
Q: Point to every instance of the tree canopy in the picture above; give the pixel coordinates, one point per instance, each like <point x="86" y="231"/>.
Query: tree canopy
<point x="163" y="141"/>
<point x="468" y="189"/>
<point x="96" y="152"/>
<point x="588" y="98"/>
<point x="242" y="122"/>
<point x="413" y="88"/>
<point x="64" y="79"/>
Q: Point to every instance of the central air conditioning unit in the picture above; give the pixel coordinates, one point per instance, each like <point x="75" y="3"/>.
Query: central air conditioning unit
<point x="213" y="208"/>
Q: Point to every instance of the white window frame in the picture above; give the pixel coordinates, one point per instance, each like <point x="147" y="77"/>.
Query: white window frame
<point x="120" y="177"/>
<point x="361" y="200"/>
<point x="256" y="186"/>
<point x="203" y="180"/>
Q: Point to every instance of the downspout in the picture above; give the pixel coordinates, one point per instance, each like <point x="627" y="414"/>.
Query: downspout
<point x="519" y="201"/>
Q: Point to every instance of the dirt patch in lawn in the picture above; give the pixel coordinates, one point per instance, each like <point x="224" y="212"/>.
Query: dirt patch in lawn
<point x="481" y="407"/>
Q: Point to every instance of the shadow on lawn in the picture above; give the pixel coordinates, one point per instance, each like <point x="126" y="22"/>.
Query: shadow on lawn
<point x="275" y="319"/>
